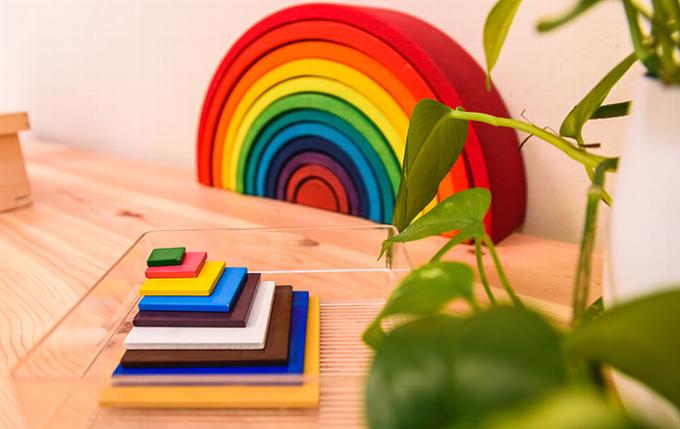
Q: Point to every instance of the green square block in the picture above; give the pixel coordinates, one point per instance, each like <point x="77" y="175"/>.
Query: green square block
<point x="166" y="256"/>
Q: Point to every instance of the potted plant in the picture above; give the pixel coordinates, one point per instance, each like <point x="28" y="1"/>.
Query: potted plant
<point x="501" y="364"/>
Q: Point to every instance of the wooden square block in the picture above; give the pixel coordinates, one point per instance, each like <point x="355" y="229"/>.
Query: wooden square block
<point x="221" y="299"/>
<point x="190" y="267"/>
<point x="15" y="190"/>
<point x="202" y="285"/>
<point x="166" y="256"/>
<point x="206" y="319"/>
<point x="252" y="337"/>
<point x="275" y="351"/>
<point x="226" y="396"/>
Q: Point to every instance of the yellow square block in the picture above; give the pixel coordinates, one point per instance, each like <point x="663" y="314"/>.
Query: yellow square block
<point x="300" y="396"/>
<point x="202" y="285"/>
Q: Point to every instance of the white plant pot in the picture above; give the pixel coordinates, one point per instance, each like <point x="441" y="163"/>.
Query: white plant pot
<point x="644" y="247"/>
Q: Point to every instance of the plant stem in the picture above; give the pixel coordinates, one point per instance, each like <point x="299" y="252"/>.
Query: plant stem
<point x="641" y="42"/>
<point x="589" y="160"/>
<point x="584" y="268"/>
<point x="474" y="304"/>
<point x="606" y="198"/>
<point x="445" y="248"/>
<point x="501" y="272"/>
<point x="674" y="13"/>
<point x="389" y="253"/>
<point x="642" y="9"/>
<point x="463" y="235"/>
<point x="482" y="272"/>
<point x="663" y="33"/>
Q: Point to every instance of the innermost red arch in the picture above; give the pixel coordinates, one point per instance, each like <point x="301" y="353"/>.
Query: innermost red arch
<point x="313" y="194"/>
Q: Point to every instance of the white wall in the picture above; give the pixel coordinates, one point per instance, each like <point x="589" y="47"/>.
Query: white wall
<point x="129" y="76"/>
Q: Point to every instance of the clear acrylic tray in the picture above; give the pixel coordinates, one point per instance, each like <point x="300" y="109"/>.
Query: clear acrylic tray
<point x="58" y="382"/>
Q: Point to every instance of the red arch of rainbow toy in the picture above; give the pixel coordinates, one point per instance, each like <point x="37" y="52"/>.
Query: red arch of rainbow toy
<point x="402" y="59"/>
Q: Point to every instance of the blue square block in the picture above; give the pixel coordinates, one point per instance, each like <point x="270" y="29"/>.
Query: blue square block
<point x="296" y="352"/>
<point x="221" y="299"/>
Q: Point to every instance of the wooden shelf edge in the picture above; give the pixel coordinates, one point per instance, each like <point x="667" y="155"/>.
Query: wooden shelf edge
<point x="12" y="123"/>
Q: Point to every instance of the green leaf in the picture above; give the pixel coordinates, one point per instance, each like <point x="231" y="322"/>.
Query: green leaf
<point x="613" y="110"/>
<point x="594" y="310"/>
<point x="458" y="211"/>
<point x="580" y="7"/>
<point x="374" y="335"/>
<point x="409" y="382"/>
<point x="496" y="29"/>
<point x="429" y="288"/>
<point x="442" y="371"/>
<point x="433" y="144"/>
<point x="584" y="110"/>
<point x="638" y="338"/>
<point x="424" y="291"/>
<point x="569" y="408"/>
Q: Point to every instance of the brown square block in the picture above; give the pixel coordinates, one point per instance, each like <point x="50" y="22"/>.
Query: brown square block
<point x="275" y="351"/>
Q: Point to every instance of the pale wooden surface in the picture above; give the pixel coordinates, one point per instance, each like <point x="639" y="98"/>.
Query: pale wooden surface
<point x="88" y="208"/>
<point x="14" y="187"/>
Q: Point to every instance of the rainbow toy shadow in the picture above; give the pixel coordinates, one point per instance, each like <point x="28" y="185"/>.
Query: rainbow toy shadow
<point x="312" y="105"/>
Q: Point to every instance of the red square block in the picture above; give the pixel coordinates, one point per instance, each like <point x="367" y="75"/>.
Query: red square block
<point x="190" y="267"/>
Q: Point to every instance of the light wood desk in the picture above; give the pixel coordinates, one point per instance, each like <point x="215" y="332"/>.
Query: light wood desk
<point x="89" y="208"/>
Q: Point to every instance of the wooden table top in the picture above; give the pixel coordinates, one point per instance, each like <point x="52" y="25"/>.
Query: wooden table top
<point x="89" y="208"/>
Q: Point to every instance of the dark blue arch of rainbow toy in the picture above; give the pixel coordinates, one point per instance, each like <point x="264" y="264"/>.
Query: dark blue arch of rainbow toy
<point x="312" y="104"/>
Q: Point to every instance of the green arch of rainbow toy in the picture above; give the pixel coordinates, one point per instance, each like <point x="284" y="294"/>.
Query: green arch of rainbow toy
<point x="312" y="105"/>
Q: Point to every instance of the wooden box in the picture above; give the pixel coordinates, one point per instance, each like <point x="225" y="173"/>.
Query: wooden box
<point x="14" y="187"/>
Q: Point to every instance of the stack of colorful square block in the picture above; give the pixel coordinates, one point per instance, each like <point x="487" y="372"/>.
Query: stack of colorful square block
<point x="198" y="318"/>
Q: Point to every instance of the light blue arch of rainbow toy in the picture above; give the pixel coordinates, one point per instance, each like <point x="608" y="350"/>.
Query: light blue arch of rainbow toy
<point x="339" y="142"/>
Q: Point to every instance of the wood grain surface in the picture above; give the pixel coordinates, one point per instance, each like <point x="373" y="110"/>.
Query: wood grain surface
<point x="89" y="207"/>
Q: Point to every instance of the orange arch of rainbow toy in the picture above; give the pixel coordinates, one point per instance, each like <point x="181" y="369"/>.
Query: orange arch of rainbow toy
<point x="377" y="61"/>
